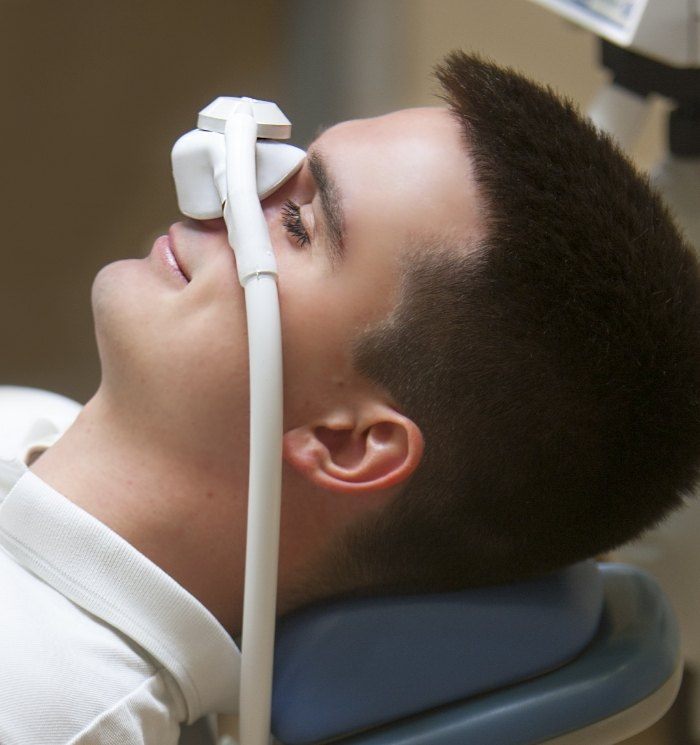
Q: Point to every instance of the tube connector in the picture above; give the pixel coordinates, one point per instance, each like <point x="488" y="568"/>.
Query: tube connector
<point x="247" y="229"/>
<point x="272" y="123"/>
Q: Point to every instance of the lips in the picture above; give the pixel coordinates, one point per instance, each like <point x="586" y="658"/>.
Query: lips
<point x="165" y="253"/>
<point x="174" y="260"/>
<point x="191" y="248"/>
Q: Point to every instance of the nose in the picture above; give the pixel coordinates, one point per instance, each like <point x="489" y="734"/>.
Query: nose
<point x="216" y="224"/>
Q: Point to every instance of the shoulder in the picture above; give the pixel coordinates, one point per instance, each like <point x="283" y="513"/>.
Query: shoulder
<point x="73" y="678"/>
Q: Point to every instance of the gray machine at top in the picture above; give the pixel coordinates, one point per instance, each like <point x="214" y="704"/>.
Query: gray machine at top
<point x="652" y="48"/>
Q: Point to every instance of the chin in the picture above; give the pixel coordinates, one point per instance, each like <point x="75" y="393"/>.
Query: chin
<point x="103" y="296"/>
<point x="108" y="285"/>
<point x="117" y="308"/>
<point x="121" y="290"/>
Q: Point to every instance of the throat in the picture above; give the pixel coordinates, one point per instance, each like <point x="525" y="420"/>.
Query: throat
<point x="191" y="527"/>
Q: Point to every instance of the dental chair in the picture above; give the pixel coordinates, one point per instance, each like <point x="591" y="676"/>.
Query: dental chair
<point x="587" y="655"/>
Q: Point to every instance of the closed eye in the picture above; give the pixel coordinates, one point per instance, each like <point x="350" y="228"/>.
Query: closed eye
<point x="291" y="220"/>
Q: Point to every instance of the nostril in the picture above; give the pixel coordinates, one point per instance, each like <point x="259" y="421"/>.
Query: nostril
<point x="215" y="224"/>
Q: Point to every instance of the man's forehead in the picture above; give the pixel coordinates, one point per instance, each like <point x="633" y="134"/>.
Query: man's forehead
<point x="411" y="143"/>
<point x="413" y="163"/>
<point x="420" y="118"/>
<point x="403" y="143"/>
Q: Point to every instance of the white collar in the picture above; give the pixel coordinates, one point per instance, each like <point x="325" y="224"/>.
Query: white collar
<point x="97" y="569"/>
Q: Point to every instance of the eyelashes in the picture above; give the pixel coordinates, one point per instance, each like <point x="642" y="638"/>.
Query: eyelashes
<point x="291" y="220"/>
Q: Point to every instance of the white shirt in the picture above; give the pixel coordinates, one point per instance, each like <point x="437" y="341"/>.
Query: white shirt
<point x="98" y="645"/>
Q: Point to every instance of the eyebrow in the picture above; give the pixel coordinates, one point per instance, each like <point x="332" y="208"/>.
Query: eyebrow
<point x="331" y="206"/>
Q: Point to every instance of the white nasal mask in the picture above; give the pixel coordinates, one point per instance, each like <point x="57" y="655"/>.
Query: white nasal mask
<point x="199" y="157"/>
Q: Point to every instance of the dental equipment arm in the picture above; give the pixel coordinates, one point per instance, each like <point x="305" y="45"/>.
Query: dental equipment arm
<point x="651" y="48"/>
<point x="620" y="112"/>
<point x="216" y="175"/>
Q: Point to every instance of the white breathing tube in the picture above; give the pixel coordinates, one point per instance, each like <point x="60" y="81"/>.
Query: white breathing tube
<point x="197" y="168"/>
<point x="257" y="271"/>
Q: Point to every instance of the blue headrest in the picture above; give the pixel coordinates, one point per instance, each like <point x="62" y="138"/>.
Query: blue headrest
<point x="355" y="664"/>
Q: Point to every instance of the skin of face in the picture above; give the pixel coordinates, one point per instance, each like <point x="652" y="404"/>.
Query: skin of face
<point x="161" y="452"/>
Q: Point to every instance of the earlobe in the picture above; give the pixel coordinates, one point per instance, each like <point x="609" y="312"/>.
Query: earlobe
<point x="378" y="450"/>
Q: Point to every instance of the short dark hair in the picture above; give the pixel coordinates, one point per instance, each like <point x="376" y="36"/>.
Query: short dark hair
<point x="554" y="372"/>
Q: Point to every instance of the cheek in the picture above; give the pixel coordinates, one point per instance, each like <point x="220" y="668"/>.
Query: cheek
<point x="200" y="359"/>
<point x="316" y="341"/>
<point x="203" y="393"/>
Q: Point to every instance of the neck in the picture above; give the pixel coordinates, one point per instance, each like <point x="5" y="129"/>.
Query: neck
<point x="180" y="513"/>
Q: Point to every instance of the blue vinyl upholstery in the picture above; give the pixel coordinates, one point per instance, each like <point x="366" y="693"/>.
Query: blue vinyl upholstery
<point x="354" y="665"/>
<point x="634" y="654"/>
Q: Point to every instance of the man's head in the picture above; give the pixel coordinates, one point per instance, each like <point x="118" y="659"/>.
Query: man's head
<point x="174" y="353"/>
<point x="491" y="349"/>
<point x="554" y="369"/>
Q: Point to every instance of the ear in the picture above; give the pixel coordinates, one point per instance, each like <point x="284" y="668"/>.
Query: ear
<point x="366" y="451"/>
